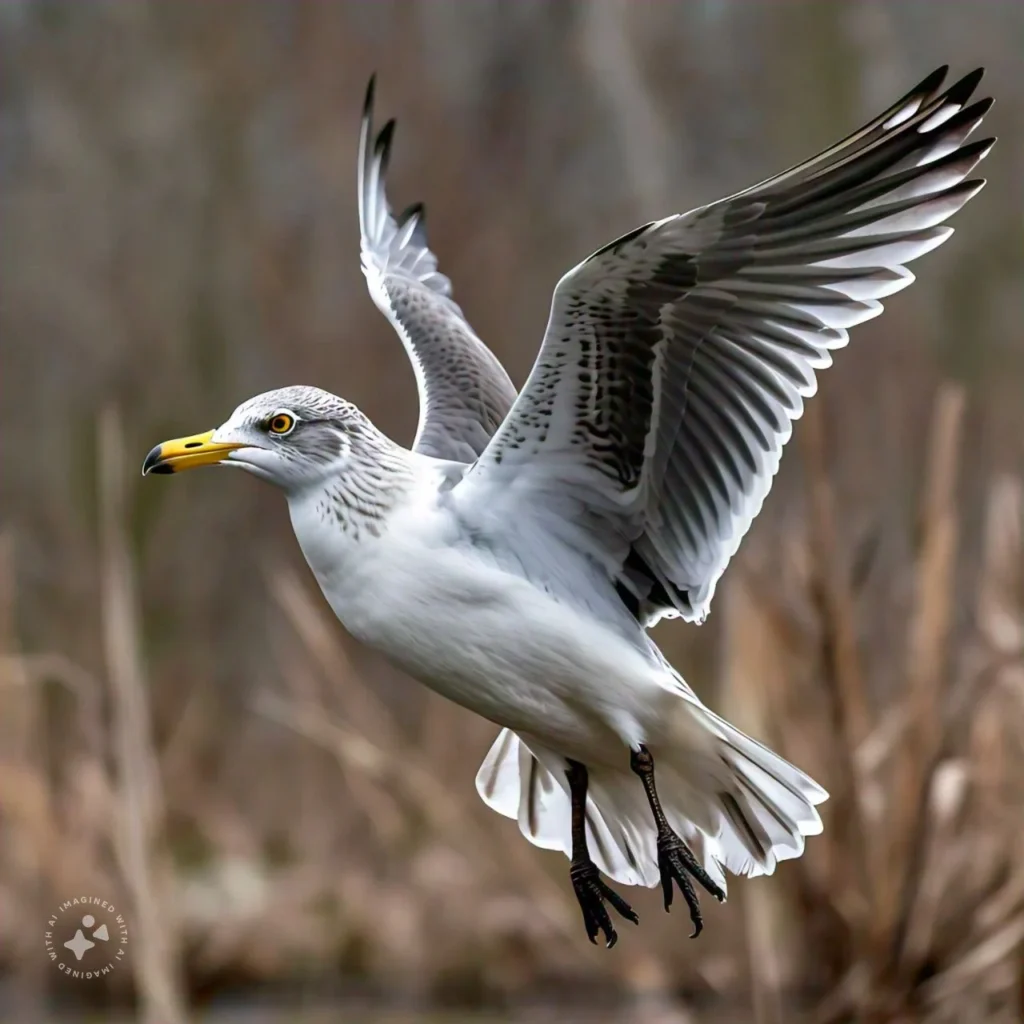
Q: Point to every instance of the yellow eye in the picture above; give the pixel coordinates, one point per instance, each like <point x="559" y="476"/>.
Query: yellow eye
<point x="281" y="423"/>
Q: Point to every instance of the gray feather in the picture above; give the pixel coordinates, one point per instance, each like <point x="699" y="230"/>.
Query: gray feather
<point x="464" y="391"/>
<point x="677" y="358"/>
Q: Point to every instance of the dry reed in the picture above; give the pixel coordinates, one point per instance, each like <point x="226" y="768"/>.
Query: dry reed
<point x="139" y="807"/>
<point x="931" y="928"/>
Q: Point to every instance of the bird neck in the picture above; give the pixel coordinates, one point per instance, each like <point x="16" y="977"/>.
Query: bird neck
<point x="352" y="506"/>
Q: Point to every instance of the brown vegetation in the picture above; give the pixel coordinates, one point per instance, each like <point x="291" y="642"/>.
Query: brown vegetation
<point x="186" y="729"/>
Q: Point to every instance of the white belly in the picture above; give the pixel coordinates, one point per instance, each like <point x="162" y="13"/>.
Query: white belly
<point x="490" y="641"/>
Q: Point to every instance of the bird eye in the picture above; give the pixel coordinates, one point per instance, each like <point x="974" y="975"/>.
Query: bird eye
<point x="281" y="423"/>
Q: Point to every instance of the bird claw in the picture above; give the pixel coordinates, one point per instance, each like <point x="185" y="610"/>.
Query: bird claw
<point x="676" y="862"/>
<point x="591" y="894"/>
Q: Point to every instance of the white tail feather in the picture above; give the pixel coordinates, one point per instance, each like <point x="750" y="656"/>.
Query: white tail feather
<point x="738" y="805"/>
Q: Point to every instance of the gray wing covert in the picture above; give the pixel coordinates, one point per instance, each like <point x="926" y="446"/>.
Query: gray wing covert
<point x="677" y="358"/>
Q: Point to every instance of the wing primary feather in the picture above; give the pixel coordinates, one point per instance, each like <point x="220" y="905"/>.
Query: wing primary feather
<point x="867" y="163"/>
<point x="678" y="356"/>
<point x="912" y="101"/>
<point x="371" y="87"/>
<point x="382" y="148"/>
<point x="464" y="391"/>
<point x="813" y="203"/>
<point x="416" y="210"/>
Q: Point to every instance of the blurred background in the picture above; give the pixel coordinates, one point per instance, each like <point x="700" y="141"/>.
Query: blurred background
<point x="290" y="827"/>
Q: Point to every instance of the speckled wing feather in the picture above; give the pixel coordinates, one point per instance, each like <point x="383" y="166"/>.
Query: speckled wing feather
<point x="677" y="357"/>
<point x="464" y="390"/>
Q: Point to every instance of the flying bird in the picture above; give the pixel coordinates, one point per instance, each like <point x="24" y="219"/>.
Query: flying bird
<point x="515" y="557"/>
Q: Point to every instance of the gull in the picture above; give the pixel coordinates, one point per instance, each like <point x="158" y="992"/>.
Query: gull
<point x="514" y="559"/>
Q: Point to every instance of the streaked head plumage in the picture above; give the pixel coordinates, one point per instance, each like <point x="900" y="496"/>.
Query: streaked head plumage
<point x="293" y="437"/>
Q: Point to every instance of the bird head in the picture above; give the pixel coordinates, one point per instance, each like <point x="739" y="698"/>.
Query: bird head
<point x="292" y="437"/>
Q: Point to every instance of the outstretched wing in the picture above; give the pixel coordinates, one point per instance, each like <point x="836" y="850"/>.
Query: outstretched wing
<point x="464" y="390"/>
<point x="677" y="358"/>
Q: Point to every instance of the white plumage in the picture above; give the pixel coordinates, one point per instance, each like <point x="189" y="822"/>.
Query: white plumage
<point x="513" y="559"/>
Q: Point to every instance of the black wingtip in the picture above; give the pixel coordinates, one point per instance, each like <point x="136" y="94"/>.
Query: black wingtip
<point x="371" y="88"/>
<point x="981" y="107"/>
<point x="384" y="136"/>
<point x="929" y="85"/>
<point x="961" y="91"/>
<point x="967" y="117"/>
<point x="382" y="147"/>
<point x="417" y="210"/>
<point x="979" y="149"/>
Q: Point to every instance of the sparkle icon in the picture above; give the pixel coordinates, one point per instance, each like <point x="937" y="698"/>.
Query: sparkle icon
<point x="80" y="945"/>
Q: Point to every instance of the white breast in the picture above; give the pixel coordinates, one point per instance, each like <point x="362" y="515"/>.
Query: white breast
<point x="478" y="635"/>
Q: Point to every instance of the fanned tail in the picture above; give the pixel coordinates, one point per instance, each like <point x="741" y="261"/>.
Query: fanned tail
<point x="529" y="784"/>
<point x="738" y="806"/>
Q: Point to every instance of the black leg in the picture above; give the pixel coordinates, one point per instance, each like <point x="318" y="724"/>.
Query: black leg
<point x="675" y="859"/>
<point x="590" y="891"/>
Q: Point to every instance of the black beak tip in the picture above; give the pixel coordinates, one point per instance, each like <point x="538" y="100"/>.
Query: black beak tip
<point x="152" y="463"/>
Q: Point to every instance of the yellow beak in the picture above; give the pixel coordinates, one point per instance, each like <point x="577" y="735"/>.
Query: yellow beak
<point x="187" y="453"/>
